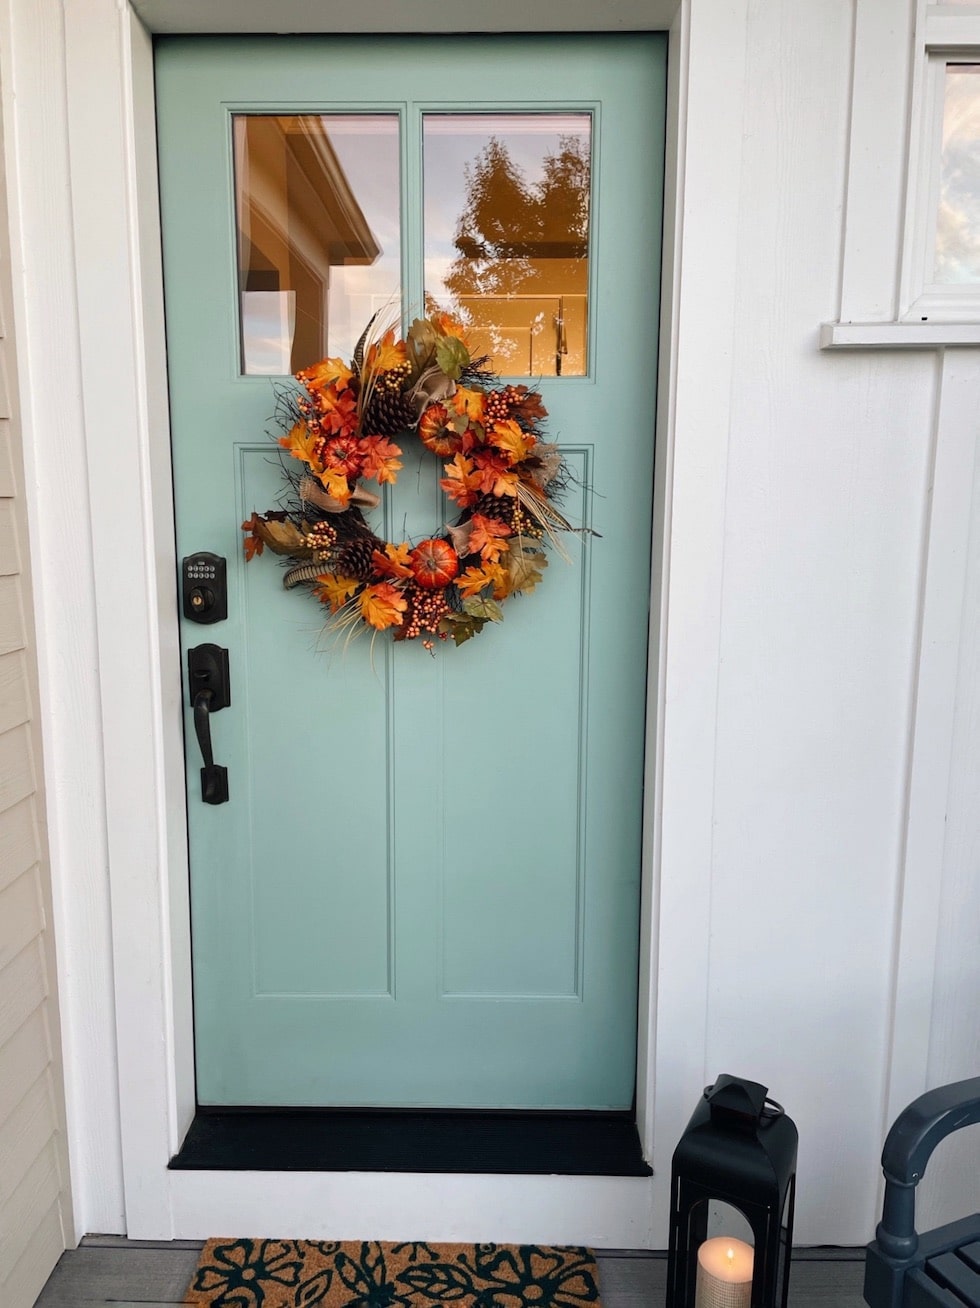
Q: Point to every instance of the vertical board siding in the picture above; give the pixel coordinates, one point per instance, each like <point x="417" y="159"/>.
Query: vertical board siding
<point x="35" y="1213"/>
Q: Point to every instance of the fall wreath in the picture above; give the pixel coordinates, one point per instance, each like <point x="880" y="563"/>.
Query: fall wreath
<point x="498" y="471"/>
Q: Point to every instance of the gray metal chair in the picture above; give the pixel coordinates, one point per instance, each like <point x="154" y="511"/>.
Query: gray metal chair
<point x="941" y="1268"/>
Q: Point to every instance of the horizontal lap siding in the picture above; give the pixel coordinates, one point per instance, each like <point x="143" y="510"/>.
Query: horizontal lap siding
<point x="35" y="1217"/>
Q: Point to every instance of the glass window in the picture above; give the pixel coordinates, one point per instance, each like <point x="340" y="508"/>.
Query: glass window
<point x="957" y="254"/>
<point x="317" y="201"/>
<point x="506" y="214"/>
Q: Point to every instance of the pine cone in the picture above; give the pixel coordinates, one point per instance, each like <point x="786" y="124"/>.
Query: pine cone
<point x="499" y="507"/>
<point x="389" y="411"/>
<point x="355" y="559"/>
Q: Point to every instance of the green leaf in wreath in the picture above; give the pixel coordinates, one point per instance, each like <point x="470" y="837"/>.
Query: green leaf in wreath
<point x="462" y="626"/>
<point x="478" y="607"/>
<point x="441" y="1281"/>
<point x="525" y="567"/>
<point x="452" y="356"/>
<point x="421" y="341"/>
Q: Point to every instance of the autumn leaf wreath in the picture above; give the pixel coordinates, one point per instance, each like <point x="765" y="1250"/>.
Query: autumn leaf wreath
<point x="500" y="473"/>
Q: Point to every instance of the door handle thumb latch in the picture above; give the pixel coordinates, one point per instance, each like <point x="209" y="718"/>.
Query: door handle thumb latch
<point x="210" y="690"/>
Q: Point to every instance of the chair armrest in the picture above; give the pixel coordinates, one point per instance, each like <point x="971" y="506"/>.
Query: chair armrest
<point x="908" y="1148"/>
<point x="927" y="1121"/>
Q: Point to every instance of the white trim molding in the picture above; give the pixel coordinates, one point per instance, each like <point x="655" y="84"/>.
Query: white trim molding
<point x="897" y="335"/>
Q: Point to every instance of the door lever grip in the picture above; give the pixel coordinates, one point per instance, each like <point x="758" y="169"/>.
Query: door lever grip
<point x="214" y="778"/>
<point x="207" y="666"/>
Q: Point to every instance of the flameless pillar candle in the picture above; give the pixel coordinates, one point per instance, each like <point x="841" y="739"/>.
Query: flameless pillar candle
<point x="724" y="1274"/>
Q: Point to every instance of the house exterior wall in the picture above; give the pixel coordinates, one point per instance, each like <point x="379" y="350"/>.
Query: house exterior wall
<point x="803" y="553"/>
<point x="35" y="1203"/>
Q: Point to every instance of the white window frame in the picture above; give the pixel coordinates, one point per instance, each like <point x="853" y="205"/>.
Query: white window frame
<point x="887" y="298"/>
<point x="922" y="298"/>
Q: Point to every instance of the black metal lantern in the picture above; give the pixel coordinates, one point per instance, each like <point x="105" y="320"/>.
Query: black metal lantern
<point x="732" y="1194"/>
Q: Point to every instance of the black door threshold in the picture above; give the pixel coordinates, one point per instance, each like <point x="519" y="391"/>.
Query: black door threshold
<point x="409" y="1140"/>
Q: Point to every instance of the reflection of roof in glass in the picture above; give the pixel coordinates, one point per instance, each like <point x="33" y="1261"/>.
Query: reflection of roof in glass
<point x="321" y="204"/>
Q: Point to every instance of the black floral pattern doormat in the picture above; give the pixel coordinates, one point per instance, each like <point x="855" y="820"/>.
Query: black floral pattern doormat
<point x="369" y="1274"/>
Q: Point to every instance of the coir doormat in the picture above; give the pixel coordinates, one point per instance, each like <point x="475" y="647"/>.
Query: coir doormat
<point x="369" y="1274"/>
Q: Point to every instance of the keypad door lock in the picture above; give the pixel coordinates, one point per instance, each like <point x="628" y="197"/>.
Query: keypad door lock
<point x="204" y="587"/>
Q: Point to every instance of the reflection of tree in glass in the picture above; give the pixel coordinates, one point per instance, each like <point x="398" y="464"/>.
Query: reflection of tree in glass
<point x="508" y="224"/>
<point x="520" y="238"/>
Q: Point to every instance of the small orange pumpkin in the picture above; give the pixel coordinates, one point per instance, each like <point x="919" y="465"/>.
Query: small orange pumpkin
<point x="434" y="563"/>
<point x="436" y="434"/>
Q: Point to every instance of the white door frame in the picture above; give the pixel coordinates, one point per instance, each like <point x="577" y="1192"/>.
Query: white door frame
<point x="77" y="79"/>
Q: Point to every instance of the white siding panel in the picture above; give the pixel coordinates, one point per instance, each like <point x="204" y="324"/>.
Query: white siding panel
<point x="827" y="483"/>
<point x="7" y="485"/>
<point x="24" y="988"/>
<point x="11" y="615"/>
<point x="949" y="1189"/>
<point x="9" y="551"/>
<point x="29" y="1205"/>
<point x="19" y="843"/>
<point x="21" y="918"/>
<point x="16" y="767"/>
<point x="22" y="1060"/>
<point x="30" y="1271"/>
<point x="24" y="1136"/>
<point x="14" y="694"/>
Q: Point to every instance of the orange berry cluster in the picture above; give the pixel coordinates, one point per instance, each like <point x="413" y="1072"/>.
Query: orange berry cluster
<point x="321" y="537"/>
<point x="426" y="611"/>
<point x="498" y="404"/>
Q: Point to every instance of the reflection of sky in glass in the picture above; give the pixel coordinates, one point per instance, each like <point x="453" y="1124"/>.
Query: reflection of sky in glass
<point x="453" y="141"/>
<point x="367" y="147"/>
<point x="958" y="218"/>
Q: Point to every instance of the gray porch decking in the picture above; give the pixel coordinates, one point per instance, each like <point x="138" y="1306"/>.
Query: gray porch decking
<point x="144" y="1274"/>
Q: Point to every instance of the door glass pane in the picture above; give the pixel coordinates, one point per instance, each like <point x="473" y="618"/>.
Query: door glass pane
<point x="507" y="235"/>
<point x="317" y="206"/>
<point x="958" y="218"/>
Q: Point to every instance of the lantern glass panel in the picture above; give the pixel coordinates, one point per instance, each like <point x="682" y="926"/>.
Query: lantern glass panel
<point x="722" y="1244"/>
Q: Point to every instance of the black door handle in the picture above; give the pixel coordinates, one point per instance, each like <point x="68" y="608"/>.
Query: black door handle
<point x="210" y="690"/>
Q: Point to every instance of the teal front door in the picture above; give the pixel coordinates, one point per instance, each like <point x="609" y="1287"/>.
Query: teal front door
<point x="424" y="888"/>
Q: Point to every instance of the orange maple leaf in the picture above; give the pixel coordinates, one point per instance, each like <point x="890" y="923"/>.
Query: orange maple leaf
<point x="446" y="325"/>
<point x="338" y="410"/>
<point x="328" y="372"/>
<point x="336" y="484"/>
<point x="461" y="482"/>
<point x="334" y="591"/>
<point x="253" y="542"/>
<point x="468" y="402"/>
<point x="382" y="605"/>
<point x="381" y="462"/>
<point x="394" y="562"/>
<point x="513" y="443"/>
<point x="474" y="580"/>
<point x="487" y="537"/>
<point x="385" y="354"/>
<point x="493" y="474"/>
<point x="301" y="443"/>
